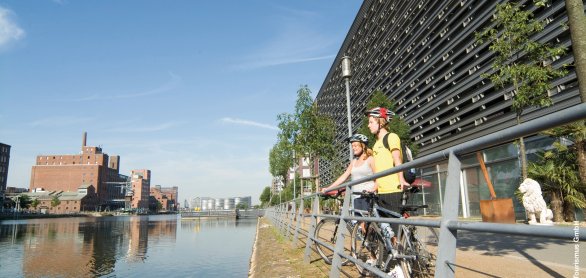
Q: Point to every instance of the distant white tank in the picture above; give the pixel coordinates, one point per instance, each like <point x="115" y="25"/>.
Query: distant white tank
<point x="204" y="204"/>
<point x="219" y="204"/>
<point x="229" y="203"/>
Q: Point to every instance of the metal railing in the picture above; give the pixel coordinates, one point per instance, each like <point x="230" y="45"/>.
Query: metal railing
<point x="288" y="220"/>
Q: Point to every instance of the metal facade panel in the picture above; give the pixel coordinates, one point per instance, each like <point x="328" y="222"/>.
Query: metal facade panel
<point x="423" y="55"/>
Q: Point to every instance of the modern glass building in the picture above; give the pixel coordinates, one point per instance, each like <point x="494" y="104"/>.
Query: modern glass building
<point x="423" y="55"/>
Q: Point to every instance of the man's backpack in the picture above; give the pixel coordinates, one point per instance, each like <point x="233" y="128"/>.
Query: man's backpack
<point x="411" y="174"/>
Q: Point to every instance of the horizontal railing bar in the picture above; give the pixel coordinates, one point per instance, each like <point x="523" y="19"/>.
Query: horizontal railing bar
<point x="404" y="221"/>
<point x="525" y="230"/>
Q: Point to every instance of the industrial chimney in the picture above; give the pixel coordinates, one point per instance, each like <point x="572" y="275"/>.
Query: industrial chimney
<point x="84" y="139"/>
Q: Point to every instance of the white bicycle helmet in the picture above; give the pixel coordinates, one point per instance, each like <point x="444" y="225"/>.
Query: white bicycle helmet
<point x="380" y="112"/>
<point x="358" y="138"/>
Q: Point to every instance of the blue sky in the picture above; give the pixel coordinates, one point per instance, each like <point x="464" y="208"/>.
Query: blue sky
<point x="188" y="89"/>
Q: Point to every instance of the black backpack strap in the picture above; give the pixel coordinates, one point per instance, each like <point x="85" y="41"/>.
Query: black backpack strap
<point x="386" y="141"/>
<point x="386" y="144"/>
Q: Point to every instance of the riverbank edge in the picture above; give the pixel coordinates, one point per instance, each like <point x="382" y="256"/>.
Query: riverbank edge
<point x="275" y="256"/>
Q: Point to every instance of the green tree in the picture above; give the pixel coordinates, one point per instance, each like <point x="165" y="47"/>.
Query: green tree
<point x="576" y="132"/>
<point x="520" y="61"/>
<point x="35" y="203"/>
<point x="306" y="133"/>
<point x="557" y="173"/>
<point x="396" y="125"/>
<point x="242" y="206"/>
<point x="280" y="159"/>
<point x="24" y="201"/>
<point x="265" y="196"/>
<point x="55" y="201"/>
<point x="572" y="155"/>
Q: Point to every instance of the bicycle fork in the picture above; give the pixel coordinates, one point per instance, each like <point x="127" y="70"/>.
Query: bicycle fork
<point x="392" y="252"/>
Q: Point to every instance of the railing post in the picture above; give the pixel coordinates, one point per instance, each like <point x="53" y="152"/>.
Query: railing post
<point x="311" y="230"/>
<point x="447" y="239"/>
<point x="340" y="237"/>
<point x="290" y="217"/>
<point x="283" y="219"/>
<point x="278" y="216"/>
<point x="298" y="216"/>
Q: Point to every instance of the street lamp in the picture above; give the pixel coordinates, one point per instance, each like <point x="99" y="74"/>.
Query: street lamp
<point x="346" y="74"/>
<point x="294" y="176"/>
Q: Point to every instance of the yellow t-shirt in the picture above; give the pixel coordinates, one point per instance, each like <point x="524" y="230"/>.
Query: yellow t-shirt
<point x="383" y="160"/>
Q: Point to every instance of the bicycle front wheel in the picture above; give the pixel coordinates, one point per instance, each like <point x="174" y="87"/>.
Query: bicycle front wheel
<point x="422" y="242"/>
<point x="326" y="232"/>
<point x="368" y="247"/>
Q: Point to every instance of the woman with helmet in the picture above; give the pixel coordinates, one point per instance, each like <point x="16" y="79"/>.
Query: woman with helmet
<point x="390" y="187"/>
<point x="360" y="167"/>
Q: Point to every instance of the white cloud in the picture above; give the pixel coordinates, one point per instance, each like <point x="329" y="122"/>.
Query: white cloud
<point x="296" y="40"/>
<point x="278" y="61"/>
<point x="60" y="2"/>
<point x="174" y="81"/>
<point x="59" y="121"/>
<point x="248" y="123"/>
<point x="151" y="128"/>
<point x="9" y="30"/>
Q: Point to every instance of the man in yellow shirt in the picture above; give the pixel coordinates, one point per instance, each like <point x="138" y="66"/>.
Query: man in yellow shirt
<point x="389" y="187"/>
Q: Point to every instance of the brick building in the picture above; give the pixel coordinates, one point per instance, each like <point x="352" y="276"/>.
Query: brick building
<point x="62" y="172"/>
<point x="141" y="184"/>
<point x="166" y="196"/>
<point x="172" y="194"/>
<point x="4" y="161"/>
<point x="83" y="199"/>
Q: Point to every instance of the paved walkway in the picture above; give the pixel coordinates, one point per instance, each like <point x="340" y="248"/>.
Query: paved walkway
<point x="478" y="255"/>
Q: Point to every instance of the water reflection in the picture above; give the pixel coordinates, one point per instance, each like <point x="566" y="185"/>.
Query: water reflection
<point x="211" y="223"/>
<point x="123" y="246"/>
<point x="82" y="247"/>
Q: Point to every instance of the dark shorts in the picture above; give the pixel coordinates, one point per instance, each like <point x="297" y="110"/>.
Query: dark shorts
<point x="391" y="201"/>
<point x="360" y="204"/>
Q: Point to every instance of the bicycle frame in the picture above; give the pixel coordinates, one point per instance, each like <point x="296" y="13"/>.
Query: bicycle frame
<point x="375" y="210"/>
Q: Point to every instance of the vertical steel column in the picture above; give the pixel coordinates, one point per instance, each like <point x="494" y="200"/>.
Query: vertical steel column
<point x="311" y="230"/>
<point x="340" y="237"/>
<point x="447" y="239"/>
<point x="346" y="74"/>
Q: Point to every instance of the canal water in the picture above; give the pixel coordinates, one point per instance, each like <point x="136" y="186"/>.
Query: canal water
<point x="126" y="246"/>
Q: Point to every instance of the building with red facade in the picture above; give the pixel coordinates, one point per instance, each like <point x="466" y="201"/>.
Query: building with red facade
<point x="67" y="172"/>
<point x="166" y="196"/>
<point x="141" y="184"/>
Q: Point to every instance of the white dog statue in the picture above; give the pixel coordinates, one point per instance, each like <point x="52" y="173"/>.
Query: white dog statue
<point x="534" y="203"/>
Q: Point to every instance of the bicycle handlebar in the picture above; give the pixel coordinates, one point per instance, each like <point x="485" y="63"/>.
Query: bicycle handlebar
<point x="364" y="193"/>
<point x="330" y="195"/>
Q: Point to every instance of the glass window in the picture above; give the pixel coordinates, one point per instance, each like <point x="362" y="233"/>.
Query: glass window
<point x="443" y="166"/>
<point x="431" y="193"/>
<point x="505" y="178"/>
<point x="468" y="160"/>
<point x="501" y="152"/>
<point x="475" y="190"/>
<point x="538" y="143"/>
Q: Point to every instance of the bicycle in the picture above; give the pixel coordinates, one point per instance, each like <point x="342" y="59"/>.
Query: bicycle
<point x="416" y="247"/>
<point x="326" y="231"/>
